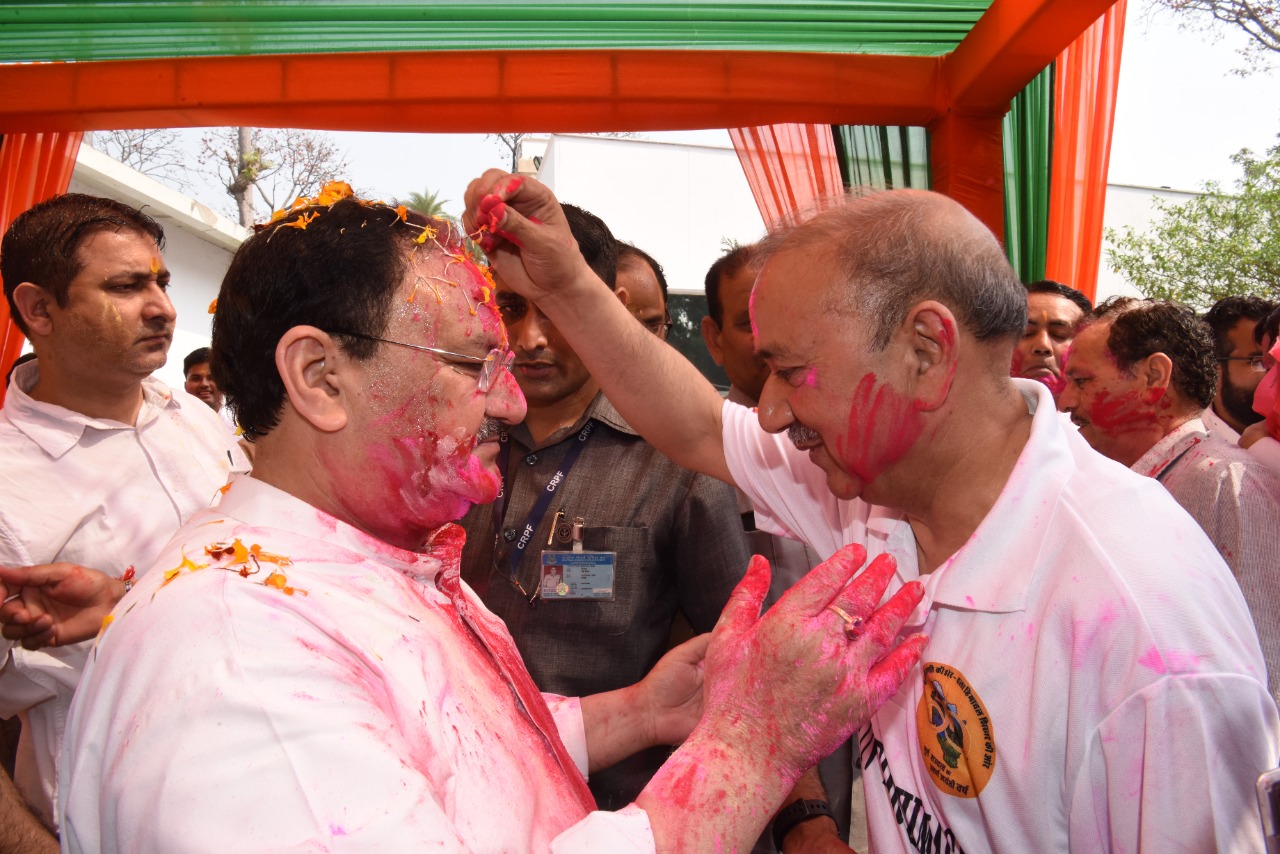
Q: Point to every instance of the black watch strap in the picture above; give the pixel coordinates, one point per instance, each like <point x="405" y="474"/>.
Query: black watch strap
<point x="788" y="817"/>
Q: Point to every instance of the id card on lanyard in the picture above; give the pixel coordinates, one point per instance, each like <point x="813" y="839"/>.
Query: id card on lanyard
<point x="562" y="575"/>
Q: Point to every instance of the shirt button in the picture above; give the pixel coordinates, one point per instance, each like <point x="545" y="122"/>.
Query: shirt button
<point x="509" y="535"/>
<point x="532" y="459"/>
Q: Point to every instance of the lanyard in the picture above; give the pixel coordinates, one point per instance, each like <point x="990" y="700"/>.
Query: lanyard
<point x="540" y="507"/>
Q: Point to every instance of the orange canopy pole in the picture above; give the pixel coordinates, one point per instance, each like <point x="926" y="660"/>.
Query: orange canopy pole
<point x="1084" y="117"/>
<point x="473" y="91"/>
<point x="1012" y="42"/>
<point x="967" y="155"/>
<point x="33" y="167"/>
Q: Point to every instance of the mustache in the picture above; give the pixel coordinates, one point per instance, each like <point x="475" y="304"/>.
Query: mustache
<point x="799" y="435"/>
<point x="490" y="428"/>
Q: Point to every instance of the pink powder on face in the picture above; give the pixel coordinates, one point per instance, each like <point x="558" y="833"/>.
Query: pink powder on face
<point x="883" y="426"/>
<point x="1134" y="410"/>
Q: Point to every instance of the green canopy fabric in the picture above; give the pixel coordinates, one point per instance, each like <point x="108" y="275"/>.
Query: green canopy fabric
<point x="40" y="30"/>
<point x="1028" y="162"/>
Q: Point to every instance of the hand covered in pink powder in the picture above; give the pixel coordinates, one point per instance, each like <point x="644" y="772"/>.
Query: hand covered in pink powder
<point x="523" y="231"/>
<point x="55" y="604"/>
<point x="791" y="684"/>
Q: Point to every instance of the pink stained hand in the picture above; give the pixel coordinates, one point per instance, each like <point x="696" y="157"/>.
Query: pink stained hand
<point x="792" y="681"/>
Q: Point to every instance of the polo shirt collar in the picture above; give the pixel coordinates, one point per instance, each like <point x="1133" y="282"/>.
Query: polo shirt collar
<point x="56" y="429"/>
<point x="994" y="570"/>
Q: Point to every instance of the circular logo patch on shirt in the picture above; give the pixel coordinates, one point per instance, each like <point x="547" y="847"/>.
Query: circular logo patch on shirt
<point x="957" y="738"/>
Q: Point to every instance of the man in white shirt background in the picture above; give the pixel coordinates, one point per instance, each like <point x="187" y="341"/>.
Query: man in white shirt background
<point x="99" y="462"/>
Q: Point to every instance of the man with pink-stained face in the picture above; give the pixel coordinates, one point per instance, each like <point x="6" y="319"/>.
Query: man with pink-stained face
<point x="310" y="646"/>
<point x="1141" y="375"/>
<point x="1069" y="632"/>
<point x="1053" y="310"/>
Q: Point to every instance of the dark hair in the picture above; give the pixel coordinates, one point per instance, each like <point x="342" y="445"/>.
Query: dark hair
<point x="1142" y="327"/>
<point x="1270" y="326"/>
<point x="1049" y="286"/>
<point x="42" y="245"/>
<point x="896" y="248"/>
<point x="596" y="243"/>
<point x="339" y="273"/>
<point x="725" y="266"/>
<point x="626" y="250"/>
<point x="196" y="357"/>
<point x="1227" y="312"/>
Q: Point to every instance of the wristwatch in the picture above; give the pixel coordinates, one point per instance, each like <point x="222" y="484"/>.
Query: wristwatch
<point x="788" y="817"/>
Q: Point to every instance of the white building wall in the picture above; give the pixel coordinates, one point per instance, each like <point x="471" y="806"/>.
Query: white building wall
<point x="677" y="202"/>
<point x="199" y="244"/>
<point x="1129" y="206"/>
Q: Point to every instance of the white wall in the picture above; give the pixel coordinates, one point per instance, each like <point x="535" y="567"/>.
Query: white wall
<point x="1129" y="206"/>
<point x="677" y="202"/>
<point x="199" y="244"/>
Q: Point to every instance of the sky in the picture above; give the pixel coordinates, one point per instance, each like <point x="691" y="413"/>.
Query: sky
<point x="1180" y="115"/>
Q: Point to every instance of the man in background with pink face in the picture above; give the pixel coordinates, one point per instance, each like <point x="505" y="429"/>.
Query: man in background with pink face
<point x="1053" y="310"/>
<point x="1142" y="373"/>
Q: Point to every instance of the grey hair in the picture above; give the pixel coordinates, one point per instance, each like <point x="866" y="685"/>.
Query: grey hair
<point x="896" y="248"/>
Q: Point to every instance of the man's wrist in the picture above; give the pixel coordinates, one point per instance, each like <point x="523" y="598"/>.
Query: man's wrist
<point x="805" y="814"/>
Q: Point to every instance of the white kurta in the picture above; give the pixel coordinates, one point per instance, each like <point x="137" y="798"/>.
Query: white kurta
<point x="98" y="493"/>
<point x="1092" y="679"/>
<point x="344" y="695"/>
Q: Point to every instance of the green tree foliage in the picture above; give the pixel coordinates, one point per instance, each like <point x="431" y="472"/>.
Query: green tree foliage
<point x="1212" y="246"/>
<point x="426" y="202"/>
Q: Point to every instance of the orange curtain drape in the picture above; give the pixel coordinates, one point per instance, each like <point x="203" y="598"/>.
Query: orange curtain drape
<point x="791" y="168"/>
<point x="1088" y="74"/>
<point x="33" y="167"/>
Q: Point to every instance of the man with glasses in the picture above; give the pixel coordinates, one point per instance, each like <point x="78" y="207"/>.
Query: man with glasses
<point x="305" y="670"/>
<point x="1232" y="321"/>
<point x="1140" y="375"/>
<point x="661" y="547"/>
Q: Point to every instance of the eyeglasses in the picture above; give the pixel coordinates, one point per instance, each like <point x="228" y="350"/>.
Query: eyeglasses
<point x="659" y="326"/>
<point x="491" y="366"/>
<point x="1255" y="362"/>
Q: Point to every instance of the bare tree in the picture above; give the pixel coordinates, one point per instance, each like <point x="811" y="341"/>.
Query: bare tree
<point x="155" y="152"/>
<point x="1259" y="19"/>
<point x="265" y="169"/>
<point x="510" y="142"/>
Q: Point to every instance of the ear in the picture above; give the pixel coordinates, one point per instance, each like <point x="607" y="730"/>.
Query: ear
<point x="623" y="296"/>
<point x="1156" y="371"/>
<point x="315" y="373"/>
<point x="33" y="304"/>
<point x="711" y="337"/>
<point x="934" y="352"/>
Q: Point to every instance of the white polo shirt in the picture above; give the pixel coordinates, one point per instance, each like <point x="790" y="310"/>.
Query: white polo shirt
<point x="101" y="494"/>
<point x="1092" y="679"/>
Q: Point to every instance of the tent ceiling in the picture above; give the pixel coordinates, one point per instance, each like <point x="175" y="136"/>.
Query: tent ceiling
<point x="35" y="30"/>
